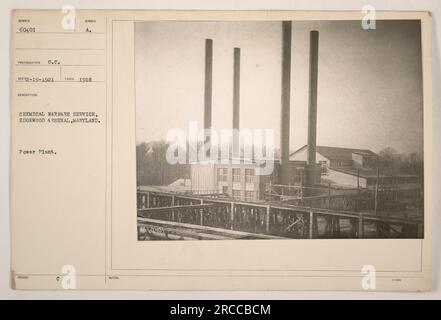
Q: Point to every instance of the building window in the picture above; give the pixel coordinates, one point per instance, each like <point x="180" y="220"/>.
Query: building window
<point x="249" y="195"/>
<point x="236" y="174"/>
<point x="342" y="163"/>
<point x="236" y="194"/>
<point x="249" y="175"/>
<point x="225" y="190"/>
<point x="222" y="174"/>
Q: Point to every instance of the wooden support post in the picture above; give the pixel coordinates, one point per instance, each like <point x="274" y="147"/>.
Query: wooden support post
<point x="270" y="191"/>
<point x="148" y="200"/>
<point x="328" y="227"/>
<point x="267" y="219"/>
<point x="201" y="213"/>
<point x="311" y="225"/>
<point x="358" y="180"/>
<point x="376" y="191"/>
<point x="334" y="222"/>
<point x="358" y="189"/>
<point x="143" y="199"/>
<point x="232" y="216"/>
<point x="255" y="214"/>
<point x="353" y="223"/>
<point x="332" y="231"/>
<point x="360" y="225"/>
<point x="329" y="195"/>
<point x="315" y="226"/>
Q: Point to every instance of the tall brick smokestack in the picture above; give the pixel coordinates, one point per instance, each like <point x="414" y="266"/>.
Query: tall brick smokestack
<point x="236" y="88"/>
<point x="312" y="107"/>
<point x="236" y="102"/>
<point x="208" y="85"/>
<point x="286" y="97"/>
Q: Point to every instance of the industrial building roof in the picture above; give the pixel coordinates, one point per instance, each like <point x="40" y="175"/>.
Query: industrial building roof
<point x="337" y="153"/>
<point x="372" y="173"/>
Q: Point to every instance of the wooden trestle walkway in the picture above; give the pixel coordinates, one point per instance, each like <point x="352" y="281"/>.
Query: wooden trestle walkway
<point x="175" y="216"/>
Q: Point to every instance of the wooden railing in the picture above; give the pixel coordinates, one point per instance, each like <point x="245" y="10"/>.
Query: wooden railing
<point x="385" y="198"/>
<point x="274" y="219"/>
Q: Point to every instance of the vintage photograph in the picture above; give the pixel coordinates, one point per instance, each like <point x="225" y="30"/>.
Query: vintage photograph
<point x="279" y="130"/>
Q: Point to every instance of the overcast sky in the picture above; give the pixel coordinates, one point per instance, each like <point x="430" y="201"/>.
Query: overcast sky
<point x="369" y="81"/>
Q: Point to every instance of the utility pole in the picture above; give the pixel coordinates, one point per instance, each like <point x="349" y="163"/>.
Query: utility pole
<point x="376" y="190"/>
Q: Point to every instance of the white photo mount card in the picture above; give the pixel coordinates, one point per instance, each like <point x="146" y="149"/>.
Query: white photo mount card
<point x="221" y="150"/>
